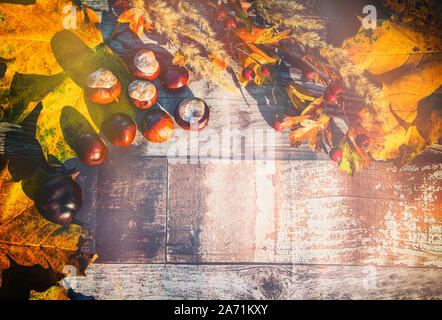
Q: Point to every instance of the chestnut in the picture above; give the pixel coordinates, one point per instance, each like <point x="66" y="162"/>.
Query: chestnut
<point x="91" y="149"/>
<point x="142" y="93"/>
<point x="192" y="114"/>
<point x="59" y="200"/>
<point x="175" y="77"/>
<point x="157" y="126"/>
<point x="119" y="129"/>
<point x="146" y="65"/>
<point x="102" y="86"/>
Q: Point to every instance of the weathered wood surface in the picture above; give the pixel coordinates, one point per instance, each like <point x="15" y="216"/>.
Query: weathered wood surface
<point x="305" y="212"/>
<point x="138" y="282"/>
<point x="143" y="209"/>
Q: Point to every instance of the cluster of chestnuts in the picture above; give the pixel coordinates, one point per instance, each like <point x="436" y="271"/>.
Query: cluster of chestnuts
<point x="103" y="87"/>
<point x="59" y="198"/>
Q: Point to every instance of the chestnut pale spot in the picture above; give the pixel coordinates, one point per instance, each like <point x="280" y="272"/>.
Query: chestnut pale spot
<point x="146" y="62"/>
<point x="101" y="78"/>
<point x="192" y="110"/>
<point x="142" y="90"/>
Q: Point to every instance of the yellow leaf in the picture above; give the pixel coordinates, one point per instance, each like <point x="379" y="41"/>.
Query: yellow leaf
<point x="404" y="62"/>
<point x="26" y="31"/>
<point x="387" y="47"/>
<point x="53" y="293"/>
<point x="56" y="131"/>
<point x="26" y="237"/>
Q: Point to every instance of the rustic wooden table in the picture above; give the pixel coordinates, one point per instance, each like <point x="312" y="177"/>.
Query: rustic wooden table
<point x="257" y="224"/>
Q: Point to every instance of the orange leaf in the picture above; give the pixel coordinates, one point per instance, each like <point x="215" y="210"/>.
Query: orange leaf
<point x="136" y="21"/>
<point x="245" y="5"/>
<point x="221" y="64"/>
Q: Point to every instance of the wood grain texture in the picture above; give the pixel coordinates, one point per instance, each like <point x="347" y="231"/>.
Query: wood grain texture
<point x="131" y="208"/>
<point x="138" y="282"/>
<point x="305" y="212"/>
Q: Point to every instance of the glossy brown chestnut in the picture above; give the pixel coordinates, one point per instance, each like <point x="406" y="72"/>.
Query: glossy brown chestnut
<point x="157" y="126"/>
<point x="192" y="114"/>
<point x="59" y="199"/>
<point x="175" y="77"/>
<point x="91" y="149"/>
<point x="119" y="129"/>
<point x="142" y="93"/>
<point x="146" y="65"/>
<point x="102" y="87"/>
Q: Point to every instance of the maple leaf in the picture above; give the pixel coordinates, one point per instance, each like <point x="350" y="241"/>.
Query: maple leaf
<point x="53" y="293"/>
<point x="406" y="62"/>
<point x="136" y="20"/>
<point x="25" y="33"/>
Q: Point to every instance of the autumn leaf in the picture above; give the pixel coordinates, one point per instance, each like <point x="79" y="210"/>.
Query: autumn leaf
<point x="407" y="64"/>
<point x="67" y="90"/>
<point x="221" y="64"/>
<point x="251" y="55"/>
<point x="179" y="59"/>
<point x="299" y="96"/>
<point x="53" y="293"/>
<point x="137" y="23"/>
<point x="26" y="31"/>
<point x="312" y="125"/>
<point x="29" y="239"/>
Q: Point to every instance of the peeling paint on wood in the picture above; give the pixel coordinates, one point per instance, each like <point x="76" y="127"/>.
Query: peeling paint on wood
<point x="309" y="212"/>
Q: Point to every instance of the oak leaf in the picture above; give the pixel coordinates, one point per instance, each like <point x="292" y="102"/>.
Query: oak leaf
<point x="312" y="125"/>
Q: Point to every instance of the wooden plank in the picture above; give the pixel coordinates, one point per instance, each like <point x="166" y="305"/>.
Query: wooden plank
<point x="306" y="212"/>
<point x="131" y="208"/>
<point x="138" y="282"/>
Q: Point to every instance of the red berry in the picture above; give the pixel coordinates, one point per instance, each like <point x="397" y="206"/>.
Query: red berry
<point x="229" y="23"/>
<point x="362" y="141"/>
<point x="221" y="13"/>
<point x="336" y="155"/>
<point x="310" y="75"/>
<point x="266" y="70"/>
<point x="277" y="125"/>
<point x="334" y="89"/>
<point x="248" y="74"/>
